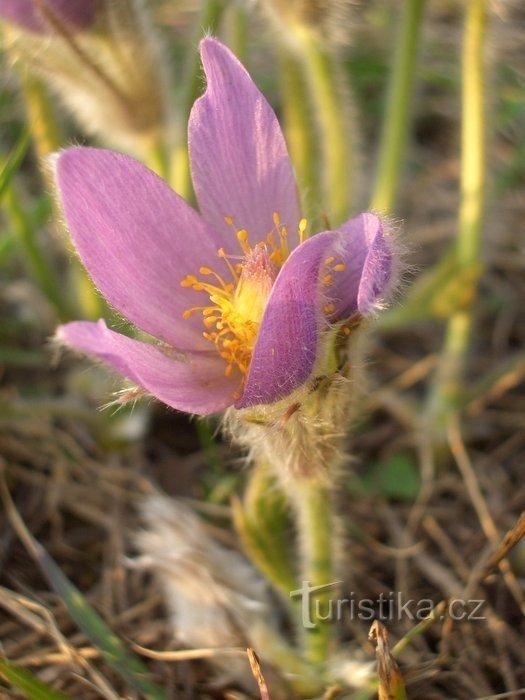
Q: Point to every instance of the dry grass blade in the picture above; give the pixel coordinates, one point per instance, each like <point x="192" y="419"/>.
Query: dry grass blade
<point x="510" y="540"/>
<point x="477" y="498"/>
<point x="391" y="685"/>
<point x="187" y="654"/>
<point x="257" y="674"/>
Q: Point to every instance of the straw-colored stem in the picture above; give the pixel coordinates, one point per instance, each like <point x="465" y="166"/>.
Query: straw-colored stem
<point x="392" y="149"/>
<point x="448" y="380"/>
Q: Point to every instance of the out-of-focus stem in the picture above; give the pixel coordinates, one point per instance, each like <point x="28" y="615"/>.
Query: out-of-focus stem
<point x="237" y="31"/>
<point x="42" y="119"/>
<point x="47" y="137"/>
<point x="331" y="110"/>
<point x="40" y="267"/>
<point x="396" y="120"/>
<point x="209" y="20"/>
<point x="448" y="379"/>
<point x="301" y="135"/>
<point x="312" y="503"/>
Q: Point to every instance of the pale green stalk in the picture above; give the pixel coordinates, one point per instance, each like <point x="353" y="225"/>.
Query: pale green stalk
<point x="394" y="136"/>
<point x="335" y="122"/>
<point x="209" y="20"/>
<point x="301" y="136"/>
<point x="448" y="379"/>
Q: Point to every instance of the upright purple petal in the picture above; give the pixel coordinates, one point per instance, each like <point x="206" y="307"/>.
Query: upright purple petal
<point x="195" y="383"/>
<point x="365" y="250"/>
<point x="239" y="162"/>
<point x="138" y="240"/>
<point x="287" y="344"/>
<point x="77" y="14"/>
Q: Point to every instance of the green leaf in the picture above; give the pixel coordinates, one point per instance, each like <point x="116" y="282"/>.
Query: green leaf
<point x="396" y="477"/>
<point x="33" y="687"/>
<point x="262" y="522"/>
<point x="126" y="664"/>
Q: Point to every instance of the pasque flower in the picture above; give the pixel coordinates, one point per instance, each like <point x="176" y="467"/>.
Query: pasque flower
<point x="37" y="15"/>
<point x="240" y="304"/>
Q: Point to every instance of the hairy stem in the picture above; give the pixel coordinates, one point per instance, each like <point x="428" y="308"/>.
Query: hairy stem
<point x="396" y="121"/>
<point x="312" y="503"/>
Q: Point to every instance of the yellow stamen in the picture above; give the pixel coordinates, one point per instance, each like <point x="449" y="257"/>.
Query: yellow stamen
<point x="339" y="268"/>
<point x="232" y="319"/>
<point x="242" y="237"/>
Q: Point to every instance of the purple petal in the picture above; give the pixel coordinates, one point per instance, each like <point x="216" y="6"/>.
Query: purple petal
<point x="138" y="240"/>
<point x="78" y="14"/>
<point x="366" y="252"/>
<point x="239" y="162"/>
<point x="287" y="343"/>
<point x="194" y="383"/>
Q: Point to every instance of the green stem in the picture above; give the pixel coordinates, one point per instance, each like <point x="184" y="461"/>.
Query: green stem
<point x="315" y="524"/>
<point x="394" y="134"/>
<point x="332" y="112"/>
<point x="301" y="135"/>
<point x="180" y="176"/>
<point x="448" y="378"/>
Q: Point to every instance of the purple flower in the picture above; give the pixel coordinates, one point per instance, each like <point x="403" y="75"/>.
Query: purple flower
<point x="237" y="300"/>
<point x="36" y="15"/>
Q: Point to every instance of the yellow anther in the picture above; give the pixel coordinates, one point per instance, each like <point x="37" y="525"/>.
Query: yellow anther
<point x="228" y="220"/>
<point x="346" y="330"/>
<point x="187" y="314"/>
<point x="242" y="237"/>
<point x="329" y="309"/>
<point x="339" y="268"/>
<point x="188" y="281"/>
<point x="210" y="321"/>
<point x="329" y="261"/>
<point x="328" y="279"/>
<point x="302" y="228"/>
<point x="276" y="218"/>
<point x="205" y="271"/>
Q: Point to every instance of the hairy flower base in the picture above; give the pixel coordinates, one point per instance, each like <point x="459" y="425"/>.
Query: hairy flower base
<point x="302" y="435"/>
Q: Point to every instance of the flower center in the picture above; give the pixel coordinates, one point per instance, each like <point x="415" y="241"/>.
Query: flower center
<point x="234" y="315"/>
